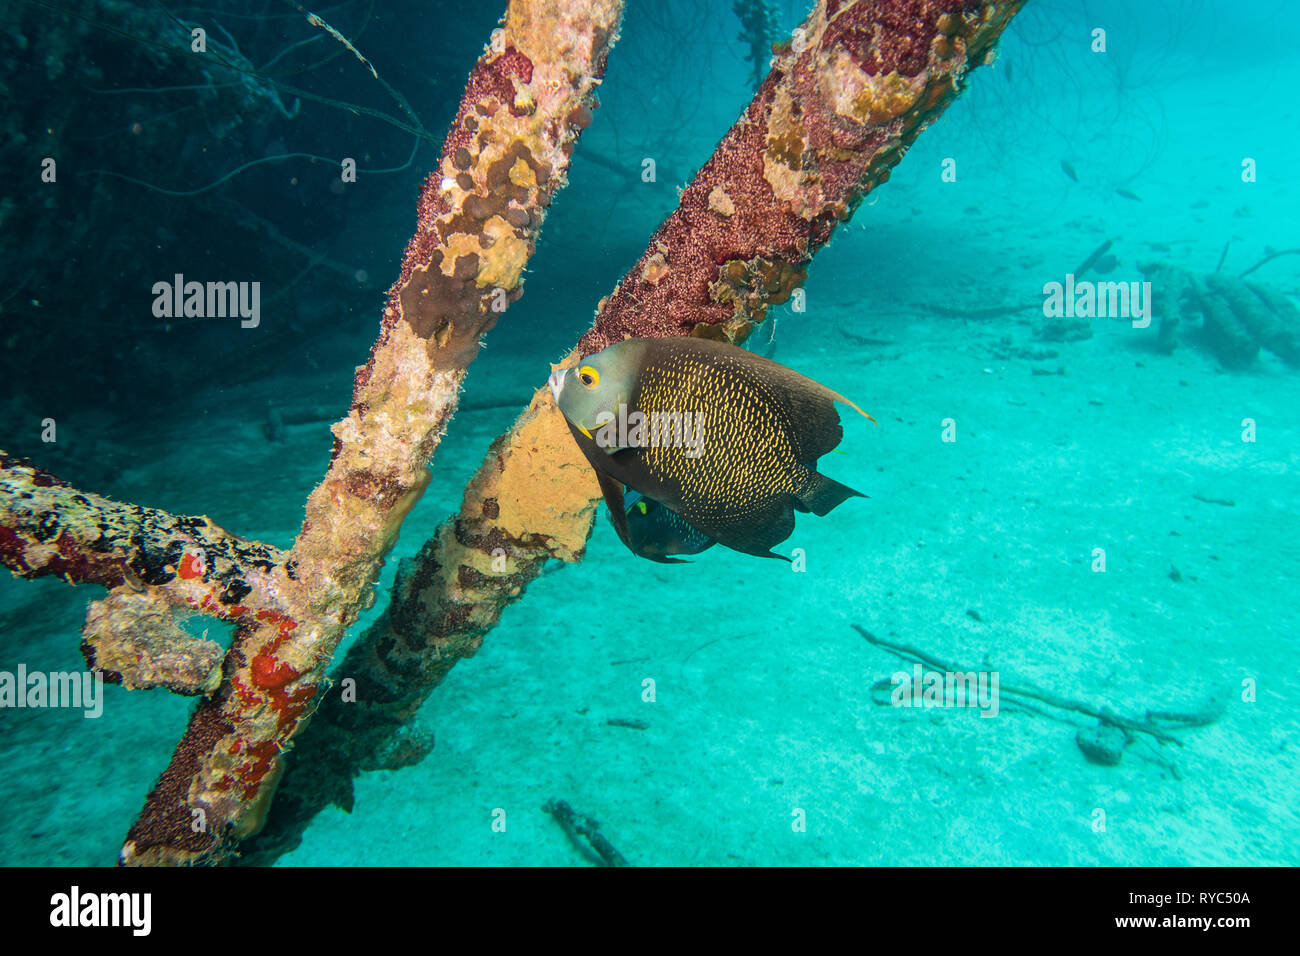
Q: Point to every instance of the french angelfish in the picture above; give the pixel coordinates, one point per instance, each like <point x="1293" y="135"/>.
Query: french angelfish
<point x="724" y="438"/>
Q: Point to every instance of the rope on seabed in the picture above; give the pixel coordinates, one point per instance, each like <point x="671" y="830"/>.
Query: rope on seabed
<point x="1147" y="725"/>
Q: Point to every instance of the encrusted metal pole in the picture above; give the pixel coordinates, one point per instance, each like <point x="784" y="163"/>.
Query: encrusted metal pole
<point x="841" y="105"/>
<point x="507" y="153"/>
<point x="153" y="564"/>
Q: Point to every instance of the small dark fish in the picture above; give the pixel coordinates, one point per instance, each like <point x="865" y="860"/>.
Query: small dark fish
<point x="1007" y="70"/>
<point x="1128" y="194"/>
<point x="724" y="438"/>
<point x="1226" y="502"/>
<point x="1067" y="167"/>
<point x="631" y="723"/>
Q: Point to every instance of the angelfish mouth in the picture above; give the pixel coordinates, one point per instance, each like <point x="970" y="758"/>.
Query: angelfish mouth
<point x="556" y="381"/>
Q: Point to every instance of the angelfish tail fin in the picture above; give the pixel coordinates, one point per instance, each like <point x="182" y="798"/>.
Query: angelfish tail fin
<point x="821" y="495"/>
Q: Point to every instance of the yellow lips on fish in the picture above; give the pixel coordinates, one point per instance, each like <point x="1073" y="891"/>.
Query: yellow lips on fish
<point x="726" y="439"/>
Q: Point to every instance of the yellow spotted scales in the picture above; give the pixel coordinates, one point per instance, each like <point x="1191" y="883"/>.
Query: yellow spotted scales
<point x="737" y="413"/>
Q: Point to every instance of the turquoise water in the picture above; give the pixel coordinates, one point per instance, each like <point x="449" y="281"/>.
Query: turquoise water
<point x="1064" y="504"/>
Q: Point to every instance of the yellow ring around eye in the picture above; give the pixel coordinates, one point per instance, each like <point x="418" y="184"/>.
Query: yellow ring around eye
<point x="588" y="376"/>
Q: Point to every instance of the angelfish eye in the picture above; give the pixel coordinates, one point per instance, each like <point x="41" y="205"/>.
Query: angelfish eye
<point x="589" y="377"/>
